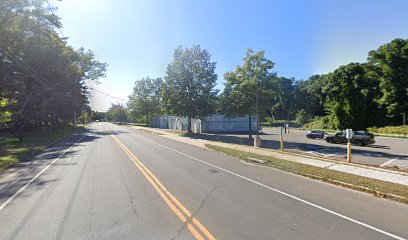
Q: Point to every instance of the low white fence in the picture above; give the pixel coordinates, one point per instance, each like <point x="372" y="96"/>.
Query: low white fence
<point x="211" y="124"/>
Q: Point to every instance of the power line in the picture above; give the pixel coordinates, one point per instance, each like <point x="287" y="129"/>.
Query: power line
<point x="107" y="94"/>
<point x="31" y="72"/>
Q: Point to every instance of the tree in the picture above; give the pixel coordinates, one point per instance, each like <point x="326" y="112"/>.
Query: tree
<point x="116" y="113"/>
<point x="312" y="95"/>
<point x="188" y="89"/>
<point x="282" y="100"/>
<point x="302" y="117"/>
<point x="145" y="98"/>
<point x="351" y="92"/>
<point x="239" y="96"/>
<point x="42" y="79"/>
<point x="100" y="116"/>
<point x="392" y="61"/>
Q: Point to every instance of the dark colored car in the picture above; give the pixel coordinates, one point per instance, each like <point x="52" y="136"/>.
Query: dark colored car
<point x="360" y="138"/>
<point x="313" y="134"/>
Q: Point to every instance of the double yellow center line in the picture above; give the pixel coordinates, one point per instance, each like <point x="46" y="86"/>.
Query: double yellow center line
<point x="192" y="223"/>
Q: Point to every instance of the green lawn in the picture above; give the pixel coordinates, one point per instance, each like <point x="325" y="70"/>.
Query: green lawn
<point x="11" y="150"/>
<point x="360" y="183"/>
<point x="131" y="123"/>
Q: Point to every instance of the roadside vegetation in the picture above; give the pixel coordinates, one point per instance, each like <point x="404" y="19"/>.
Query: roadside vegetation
<point x="379" y="188"/>
<point x="369" y="95"/>
<point x="44" y="83"/>
<point x="43" y="80"/>
<point x="12" y="150"/>
<point x="391" y="130"/>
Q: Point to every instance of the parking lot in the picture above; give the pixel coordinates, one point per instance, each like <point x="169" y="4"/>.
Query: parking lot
<point x="388" y="152"/>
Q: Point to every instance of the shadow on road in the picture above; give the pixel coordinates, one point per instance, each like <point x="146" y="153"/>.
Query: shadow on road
<point x="29" y="167"/>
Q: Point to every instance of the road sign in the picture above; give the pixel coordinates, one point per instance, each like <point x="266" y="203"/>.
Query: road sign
<point x="349" y="133"/>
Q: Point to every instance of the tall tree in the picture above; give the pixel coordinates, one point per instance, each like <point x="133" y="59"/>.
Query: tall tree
<point x="352" y="91"/>
<point x="145" y="98"/>
<point x="392" y="60"/>
<point x="283" y="103"/>
<point x="312" y="94"/>
<point x="42" y="78"/>
<point x="116" y="113"/>
<point x="239" y="96"/>
<point x="189" y="85"/>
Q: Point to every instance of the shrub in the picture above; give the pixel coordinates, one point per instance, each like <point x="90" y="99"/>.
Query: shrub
<point x="320" y="122"/>
<point x="302" y="117"/>
<point x="400" y="130"/>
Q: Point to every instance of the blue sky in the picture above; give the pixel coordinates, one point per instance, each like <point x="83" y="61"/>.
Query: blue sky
<point x="137" y="38"/>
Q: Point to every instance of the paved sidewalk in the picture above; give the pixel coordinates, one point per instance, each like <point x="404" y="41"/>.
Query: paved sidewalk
<point x="365" y="171"/>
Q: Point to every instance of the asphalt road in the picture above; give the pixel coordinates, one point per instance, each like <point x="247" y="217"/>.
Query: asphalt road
<point x="121" y="183"/>
<point x="385" y="151"/>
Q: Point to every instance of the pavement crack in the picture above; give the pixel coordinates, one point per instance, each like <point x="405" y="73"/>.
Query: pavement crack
<point x="130" y="197"/>
<point x="204" y="202"/>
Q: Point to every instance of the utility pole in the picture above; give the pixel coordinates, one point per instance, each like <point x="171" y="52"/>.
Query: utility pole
<point x="403" y="119"/>
<point x="257" y="110"/>
<point x="281" y="139"/>
<point x="258" y="140"/>
<point x="75" y="117"/>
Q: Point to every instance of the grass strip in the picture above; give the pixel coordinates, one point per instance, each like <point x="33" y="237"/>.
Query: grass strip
<point x="12" y="151"/>
<point x="376" y="187"/>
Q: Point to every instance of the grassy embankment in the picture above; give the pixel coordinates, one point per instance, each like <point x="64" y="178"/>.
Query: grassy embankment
<point x="11" y="150"/>
<point x="379" y="188"/>
<point x="390" y="130"/>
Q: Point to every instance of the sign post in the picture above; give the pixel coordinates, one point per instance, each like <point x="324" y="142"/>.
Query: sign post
<point x="349" y="136"/>
<point x="281" y="139"/>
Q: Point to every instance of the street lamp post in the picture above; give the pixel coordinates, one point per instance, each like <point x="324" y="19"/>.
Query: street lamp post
<point x="258" y="140"/>
<point x="257" y="110"/>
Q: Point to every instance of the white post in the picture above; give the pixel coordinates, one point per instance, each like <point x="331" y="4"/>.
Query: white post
<point x="349" y="136"/>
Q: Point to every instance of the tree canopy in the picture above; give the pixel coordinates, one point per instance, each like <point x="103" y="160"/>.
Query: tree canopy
<point x="42" y="79"/>
<point x="239" y="96"/>
<point x="356" y="95"/>
<point x="117" y="113"/>
<point x="145" y="99"/>
<point x="391" y="61"/>
<point x="189" y="84"/>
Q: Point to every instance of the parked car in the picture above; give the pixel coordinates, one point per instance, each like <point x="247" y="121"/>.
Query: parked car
<point x="313" y="134"/>
<point x="360" y="138"/>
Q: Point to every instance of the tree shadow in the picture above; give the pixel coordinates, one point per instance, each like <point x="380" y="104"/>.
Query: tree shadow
<point x="31" y="164"/>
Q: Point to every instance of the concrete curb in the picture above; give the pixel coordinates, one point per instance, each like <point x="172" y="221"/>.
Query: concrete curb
<point x="351" y="168"/>
<point x="337" y="162"/>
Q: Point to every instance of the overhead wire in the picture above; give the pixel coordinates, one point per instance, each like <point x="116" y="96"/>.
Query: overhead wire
<point x="22" y="65"/>
<point x="107" y="94"/>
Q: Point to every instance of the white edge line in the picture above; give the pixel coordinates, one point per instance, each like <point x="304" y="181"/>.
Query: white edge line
<point x="387" y="162"/>
<point x="284" y="193"/>
<point x="36" y="176"/>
